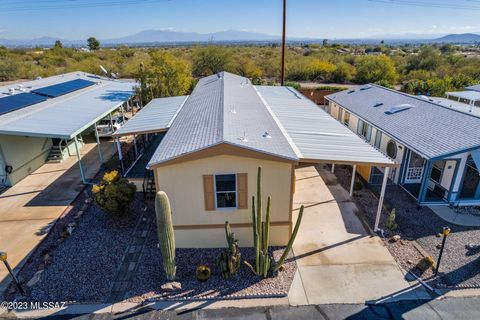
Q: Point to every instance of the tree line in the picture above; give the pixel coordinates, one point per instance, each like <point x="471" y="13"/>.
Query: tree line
<point x="430" y="70"/>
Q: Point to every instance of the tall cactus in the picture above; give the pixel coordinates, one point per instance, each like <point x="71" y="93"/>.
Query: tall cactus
<point x="230" y="259"/>
<point x="264" y="265"/>
<point x="165" y="234"/>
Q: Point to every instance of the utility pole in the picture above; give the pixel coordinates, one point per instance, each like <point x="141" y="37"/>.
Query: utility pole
<point x="282" y="77"/>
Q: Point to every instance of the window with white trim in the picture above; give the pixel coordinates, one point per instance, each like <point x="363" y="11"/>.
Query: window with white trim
<point x="364" y="129"/>
<point x="346" y="118"/>
<point x="226" y="191"/>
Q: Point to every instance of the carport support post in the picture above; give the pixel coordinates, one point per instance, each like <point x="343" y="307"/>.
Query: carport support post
<point x="352" y="184"/>
<point x="119" y="150"/>
<point x="333" y="167"/>
<point x="382" y="196"/>
<point x="98" y="143"/>
<point x="80" y="165"/>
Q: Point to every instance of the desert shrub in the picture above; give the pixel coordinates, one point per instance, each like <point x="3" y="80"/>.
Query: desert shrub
<point x="390" y="222"/>
<point x="294" y="85"/>
<point x="425" y="264"/>
<point x="114" y="194"/>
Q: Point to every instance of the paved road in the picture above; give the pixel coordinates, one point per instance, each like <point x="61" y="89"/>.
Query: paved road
<point x="451" y="308"/>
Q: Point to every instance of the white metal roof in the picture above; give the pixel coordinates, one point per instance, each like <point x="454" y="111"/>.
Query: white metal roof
<point x="316" y="136"/>
<point x="223" y="108"/>
<point x="459" y="106"/>
<point x="156" y="116"/>
<point x="469" y="95"/>
<point x="68" y="115"/>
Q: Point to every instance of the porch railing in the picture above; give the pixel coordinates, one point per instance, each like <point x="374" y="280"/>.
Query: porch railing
<point x="414" y="175"/>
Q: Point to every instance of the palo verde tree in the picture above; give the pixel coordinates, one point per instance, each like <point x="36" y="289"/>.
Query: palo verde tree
<point x="211" y="60"/>
<point x="163" y="76"/>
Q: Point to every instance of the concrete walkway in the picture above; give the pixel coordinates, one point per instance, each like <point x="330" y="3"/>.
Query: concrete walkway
<point x="28" y="209"/>
<point x="448" y="214"/>
<point x="338" y="261"/>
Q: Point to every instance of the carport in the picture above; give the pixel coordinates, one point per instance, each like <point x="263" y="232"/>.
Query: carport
<point x="316" y="137"/>
<point x="66" y="116"/>
<point x="155" y="117"/>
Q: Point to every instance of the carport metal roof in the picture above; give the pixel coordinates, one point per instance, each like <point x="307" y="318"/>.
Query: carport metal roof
<point x="468" y="95"/>
<point x="66" y="116"/>
<point x="156" y="116"/>
<point x="314" y="134"/>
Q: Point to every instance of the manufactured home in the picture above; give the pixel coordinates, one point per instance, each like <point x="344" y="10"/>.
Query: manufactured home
<point x="46" y="119"/>
<point x="436" y="147"/>
<point x="213" y="141"/>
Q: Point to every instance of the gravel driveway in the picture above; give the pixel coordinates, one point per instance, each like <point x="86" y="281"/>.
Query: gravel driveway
<point x="460" y="266"/>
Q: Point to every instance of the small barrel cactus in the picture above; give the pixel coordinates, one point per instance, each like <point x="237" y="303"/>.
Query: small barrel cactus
<point x="203" y="273"/>
<point x="165" y="234"/>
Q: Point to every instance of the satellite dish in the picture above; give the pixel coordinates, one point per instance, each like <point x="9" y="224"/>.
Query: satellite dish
<point x="104" y="70"/>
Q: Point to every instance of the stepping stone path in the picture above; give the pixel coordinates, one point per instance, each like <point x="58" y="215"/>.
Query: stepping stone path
<point x="133" y="253"/>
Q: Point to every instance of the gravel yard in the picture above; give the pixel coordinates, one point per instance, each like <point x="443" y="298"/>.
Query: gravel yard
<point x="460" y="266"/>
<point x="82" y="267"/>
<point x="150" y="275"/>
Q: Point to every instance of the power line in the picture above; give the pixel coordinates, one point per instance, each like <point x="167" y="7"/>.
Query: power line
<point x="74" y="5"/>
<point x="430" y="4"/>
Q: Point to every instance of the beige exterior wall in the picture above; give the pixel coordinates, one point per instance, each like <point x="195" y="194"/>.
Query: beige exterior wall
<point x="24" y="154"/>
<point x="196" y="227"/>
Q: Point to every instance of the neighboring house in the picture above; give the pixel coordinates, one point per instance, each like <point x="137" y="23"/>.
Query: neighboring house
<point x="44" y="119"/>
<point x="473" y="88"/>
<point x="437" y="147"/>
<point x="215" y="140"/>
<point x="469" y="97"/>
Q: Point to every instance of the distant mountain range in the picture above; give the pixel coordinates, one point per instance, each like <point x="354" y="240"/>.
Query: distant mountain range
<point x="460" y="38"/>
<point x="152" y="37"/>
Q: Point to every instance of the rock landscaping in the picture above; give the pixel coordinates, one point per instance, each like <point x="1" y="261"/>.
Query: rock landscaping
<point x="150" y="276"/>
<point x="90" y="256"/>
<point x="418" y="231"/>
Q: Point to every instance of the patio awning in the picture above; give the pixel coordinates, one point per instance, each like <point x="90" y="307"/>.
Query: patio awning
<point x="314" y="134"/>
<point x="468" y="95"/>
<point x="68" y="115"/>
<point x="156" y="116"/>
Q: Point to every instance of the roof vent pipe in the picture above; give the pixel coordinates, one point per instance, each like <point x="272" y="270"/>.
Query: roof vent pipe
<point x="11" y="91"/>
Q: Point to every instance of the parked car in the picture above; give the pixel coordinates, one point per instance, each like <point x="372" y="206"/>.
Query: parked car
<point x="104" y="126"/>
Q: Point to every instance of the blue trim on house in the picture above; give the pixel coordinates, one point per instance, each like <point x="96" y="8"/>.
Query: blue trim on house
<point x="454" y="177"/>
<point x="455" y="153"/>
<point x="404" y="165"/>
<point x="424" y="184"/>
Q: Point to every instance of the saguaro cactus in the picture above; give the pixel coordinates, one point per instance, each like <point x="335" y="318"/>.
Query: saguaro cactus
<point x="165" y="234"/>
<point x="264" y="265"/>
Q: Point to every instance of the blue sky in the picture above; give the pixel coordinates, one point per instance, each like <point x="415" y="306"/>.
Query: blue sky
<point x="21" y="19"/>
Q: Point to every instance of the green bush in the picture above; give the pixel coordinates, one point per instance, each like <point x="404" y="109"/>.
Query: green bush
<point x="390" y="222"/>
<point x="114" y="194"/>
<point x="294" y="85"/>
